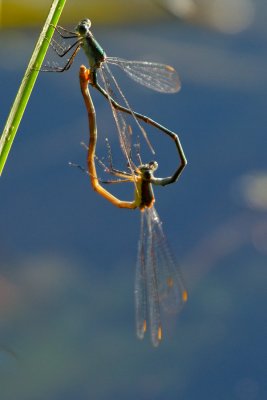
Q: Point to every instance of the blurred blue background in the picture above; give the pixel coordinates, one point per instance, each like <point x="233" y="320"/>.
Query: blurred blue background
<point x="67" y="257"/>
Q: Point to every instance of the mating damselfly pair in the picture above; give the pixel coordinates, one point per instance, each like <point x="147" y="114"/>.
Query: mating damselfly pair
<point x="158" y="284"/>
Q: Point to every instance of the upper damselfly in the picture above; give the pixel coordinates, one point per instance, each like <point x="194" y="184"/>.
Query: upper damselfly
<point x="160" y="77"/>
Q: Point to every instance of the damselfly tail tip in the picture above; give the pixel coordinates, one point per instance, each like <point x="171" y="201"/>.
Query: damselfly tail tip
<point x="84" y="74"/>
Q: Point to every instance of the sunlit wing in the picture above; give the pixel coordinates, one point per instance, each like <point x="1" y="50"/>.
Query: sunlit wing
<point x="160" y="77"/>
<point x="171" y="289"/>
<point x="108" y="76"/>
<point x="122" y="127"/>
<point x="146" y="292"/>
<point x="152" y="285"/>
<point x="140" y="289"/>
<point x="159" y="285"/>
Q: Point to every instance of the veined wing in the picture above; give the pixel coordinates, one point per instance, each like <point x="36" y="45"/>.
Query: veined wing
<point x="160" y="77"/>
<point x="146" y="288"/>
<point x="122" y="127"/>
<point x="140" y="288"/>
<point x="158" y="282"/>
<point x="124" y="133"/>
<point x="172" y="293"/>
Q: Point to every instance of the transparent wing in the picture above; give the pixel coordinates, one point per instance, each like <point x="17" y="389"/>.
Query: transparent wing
<point x="146" y="292"/>
<point x="109" y="79"/>
<point x="171" y="289"/>
<point x="152" y="284"/>
<point x="158" y="282"/>
<point x="160" y="77"/>
<point x="140" y="289"/>
<point x="122" y="127"/>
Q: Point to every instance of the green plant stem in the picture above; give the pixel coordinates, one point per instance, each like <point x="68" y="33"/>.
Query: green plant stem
<point x="28" y="81"/>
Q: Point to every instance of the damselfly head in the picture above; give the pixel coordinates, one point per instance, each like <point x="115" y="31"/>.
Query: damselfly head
<point x="83" y="27"/>
<point x="147" y="170"/>
<point x="153" y="165"/>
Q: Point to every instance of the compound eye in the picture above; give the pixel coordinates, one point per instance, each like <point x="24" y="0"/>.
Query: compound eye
<point x="87" y="22"/>
<point x="153" y="165"/>
<point x="83" y="27"/>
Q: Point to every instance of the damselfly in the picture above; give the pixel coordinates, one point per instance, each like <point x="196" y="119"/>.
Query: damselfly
<point x="160" y="77"/>
<point x="158" y="282"/>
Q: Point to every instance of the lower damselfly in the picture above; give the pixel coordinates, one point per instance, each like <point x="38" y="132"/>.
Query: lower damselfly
<point x="160" y="77"/>
<point x="159" y="284"/>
